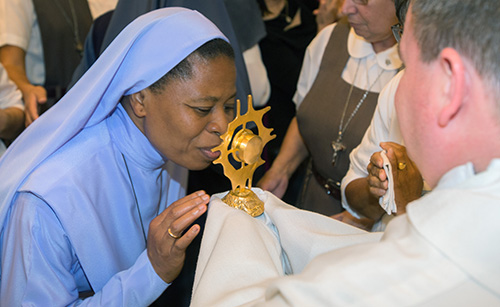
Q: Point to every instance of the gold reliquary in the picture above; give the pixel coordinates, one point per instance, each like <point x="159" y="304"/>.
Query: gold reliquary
<point x="240" y="156"/>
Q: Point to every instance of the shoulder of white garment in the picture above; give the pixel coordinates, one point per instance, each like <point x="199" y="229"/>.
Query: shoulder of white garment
<point x="10" y="96"/>
<point x="17" y="20"/>
<point x="467" y="202"/>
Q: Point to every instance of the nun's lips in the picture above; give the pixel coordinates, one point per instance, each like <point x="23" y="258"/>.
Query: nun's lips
<point x="211" y="155"/>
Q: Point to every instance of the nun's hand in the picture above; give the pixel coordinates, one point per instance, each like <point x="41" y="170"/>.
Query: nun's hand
<point x="377" y="178"/>
<point x="168" y="237"/>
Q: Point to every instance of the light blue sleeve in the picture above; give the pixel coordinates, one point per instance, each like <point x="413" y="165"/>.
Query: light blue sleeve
<point x="40" y="266"/>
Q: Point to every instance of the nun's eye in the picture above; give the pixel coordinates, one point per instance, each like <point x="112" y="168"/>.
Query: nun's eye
<point x="202" y="110"/>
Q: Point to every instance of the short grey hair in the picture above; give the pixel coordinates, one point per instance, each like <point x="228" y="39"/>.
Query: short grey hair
<point x="471" y="27"/>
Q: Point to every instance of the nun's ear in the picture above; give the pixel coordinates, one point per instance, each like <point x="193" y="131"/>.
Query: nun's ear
<point x="136" y="102"/>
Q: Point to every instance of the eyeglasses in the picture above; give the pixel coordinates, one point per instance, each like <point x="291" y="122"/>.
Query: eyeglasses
<point x="397" y="31"/>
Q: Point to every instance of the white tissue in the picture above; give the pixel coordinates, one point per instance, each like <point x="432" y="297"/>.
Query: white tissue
<point x="387" y="201"/>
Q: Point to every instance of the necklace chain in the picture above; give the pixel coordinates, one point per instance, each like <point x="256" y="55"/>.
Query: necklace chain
<point x="337" y="145"/>
<point x="136" y="201"/>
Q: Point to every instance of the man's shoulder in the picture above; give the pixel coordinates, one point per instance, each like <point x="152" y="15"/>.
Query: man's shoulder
<point x="400" y="258"/>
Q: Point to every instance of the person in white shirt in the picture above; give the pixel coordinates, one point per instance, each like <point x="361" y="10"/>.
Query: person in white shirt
<point x="41" y="70"/>
<point x="11" y="110"/>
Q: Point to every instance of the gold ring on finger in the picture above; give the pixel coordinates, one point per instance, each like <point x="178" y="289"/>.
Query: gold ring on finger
<point x="172" y="235"/>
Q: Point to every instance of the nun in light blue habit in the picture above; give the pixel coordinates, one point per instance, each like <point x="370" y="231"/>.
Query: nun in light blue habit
<point x="79" y="188"/>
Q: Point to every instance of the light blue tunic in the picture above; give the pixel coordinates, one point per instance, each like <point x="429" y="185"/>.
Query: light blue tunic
<point x="75" y="225"/>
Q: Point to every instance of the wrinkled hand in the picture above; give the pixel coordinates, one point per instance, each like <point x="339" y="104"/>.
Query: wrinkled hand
<point x="274" y="182"/>
<point x="408" y="182"/>
<point x="166" y="253"/>
<point x="377" y="178"/>
<point x="328" y="12"/>
<point x="33" y="96"/>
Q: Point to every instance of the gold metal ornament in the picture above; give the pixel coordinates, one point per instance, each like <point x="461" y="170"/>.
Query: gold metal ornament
<point x="241" y="146"/>
<point x="401" y="166"/>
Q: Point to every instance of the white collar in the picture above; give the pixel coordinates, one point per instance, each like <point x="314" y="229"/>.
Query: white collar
<point x="358" y="47"/>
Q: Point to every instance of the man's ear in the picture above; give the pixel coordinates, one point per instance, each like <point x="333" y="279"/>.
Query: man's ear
<point x="136" y="101"/>
<point x="455" y="84"/>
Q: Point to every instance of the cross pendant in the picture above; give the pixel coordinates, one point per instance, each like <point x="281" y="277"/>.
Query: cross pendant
<point x="337" y="147"/>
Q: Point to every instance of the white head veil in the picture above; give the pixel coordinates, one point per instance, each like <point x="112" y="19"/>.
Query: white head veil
<point x="141" y="54"/>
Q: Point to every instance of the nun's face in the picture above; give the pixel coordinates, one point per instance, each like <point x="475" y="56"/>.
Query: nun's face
<point x="184" y="121"/>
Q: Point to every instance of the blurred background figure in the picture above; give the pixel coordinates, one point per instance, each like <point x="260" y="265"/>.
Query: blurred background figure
<point x="328" y="12"/>
<point x="239" y="20"/>
<point x="41" y="43"/>
<point x="366" y="180"/>
<point x="345" y="67"/>
<point x="290" y="27"/>
<point x="11" y="111"/>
